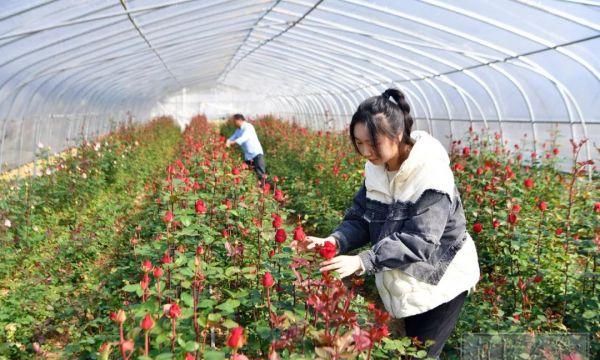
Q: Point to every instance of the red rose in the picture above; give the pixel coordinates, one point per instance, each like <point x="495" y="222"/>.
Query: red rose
<point x="174" y="311"/>
<point x="558" y="232"/>
<point x="328" y="250"/>
<point x="516" y="208"/>
<point x="495" y="223"/>
<point x="267" y="280"/>
<point x="278" y="195"/>
<point x="597" y="207"/>
<point x="266" y="188"/>
<point x="200" y="207"/>
<point x="166" y="259"/>
<point x="555" y="151"/>
<point x="280" y="235"/>
<point x="277" y="221"/>
<point x="146" y="266"/>
<point x="528" y="183"/>
<point x="157" y="272"/>
<point x="236" y="338"/>
<point x="466" y="151"/>
<point x="147" y="322"/>
<point x="168" y="217"/>
<point x="299" y="234"/>
<point x="235" y="171"/>
<point x="477" y="228"/>
<point x="543" y="206"/>
<point x="512" y="218"/>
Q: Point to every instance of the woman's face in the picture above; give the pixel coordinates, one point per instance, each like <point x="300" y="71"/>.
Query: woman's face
<point x="388" y="148"/>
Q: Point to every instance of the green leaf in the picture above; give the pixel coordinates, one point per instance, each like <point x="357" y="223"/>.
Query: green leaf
<point x="421" y="354"/>
<point x="589" y="314"/>
<point x="131" y="288"/>
<point x="164" y="356"/>
<point x="186" y="221"/>
<point x="229" y="306"/>
<point x="232" y="270"/>
<point x="230" y="324"/>
<point x="191" y="346"/>
<point x="263" y="331"/>
<point x="187" y="299"/>
<point x="214" y="355"/>
<point x="214" y="317"/>
<point x="206" y="303"/>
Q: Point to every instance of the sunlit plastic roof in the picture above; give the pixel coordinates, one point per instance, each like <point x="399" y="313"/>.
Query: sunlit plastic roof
<point x="78" y="67"/>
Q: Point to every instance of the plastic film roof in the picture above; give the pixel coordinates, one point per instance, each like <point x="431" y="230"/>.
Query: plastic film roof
<point x="71" y="67"/>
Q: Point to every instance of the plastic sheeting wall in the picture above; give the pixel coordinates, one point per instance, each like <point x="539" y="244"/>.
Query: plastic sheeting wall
<point x="515" y="66"/>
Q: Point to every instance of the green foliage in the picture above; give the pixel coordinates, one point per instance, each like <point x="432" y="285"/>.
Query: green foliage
<point x="71" y="230"/>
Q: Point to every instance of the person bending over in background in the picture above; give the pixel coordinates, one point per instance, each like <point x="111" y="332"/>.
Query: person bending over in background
<point x="245" y="136"/>
<point x="410" y="213"/>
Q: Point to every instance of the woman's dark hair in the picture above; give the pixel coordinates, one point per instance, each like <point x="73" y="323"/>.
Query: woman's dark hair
<point x="238" y="117"/>
<point x="384" y="116"/>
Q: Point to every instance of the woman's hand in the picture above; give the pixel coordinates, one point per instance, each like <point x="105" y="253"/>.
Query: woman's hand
<point x="314" y="241"/>
<point x="343" y="264"/>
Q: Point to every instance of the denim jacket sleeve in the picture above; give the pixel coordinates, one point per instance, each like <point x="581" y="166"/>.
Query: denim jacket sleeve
<point x="417" y="239"/>
<point x="353" y="232"/>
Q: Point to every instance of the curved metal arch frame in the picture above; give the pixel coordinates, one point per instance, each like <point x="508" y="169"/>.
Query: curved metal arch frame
<point x="350" y="64"/>
<point x="562" y="14"/>
<point x="531" y="37"/>
<point x="389" y="64"/>
<point x="89" y="83"/>
<point x="435" y="58"/>
<point x="420" y="91"/>
<point x="535" y="67"/>
<point x="120" y="32"/>
<point x="91" y="51"/>
<point x="372" y="72"/>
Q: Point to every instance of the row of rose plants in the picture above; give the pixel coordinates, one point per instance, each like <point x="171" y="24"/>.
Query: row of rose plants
<point x="226" y="274"/>
<point x="536" y="228"/>
<point x="64" y="232"/>
<point x="318" y="168"/>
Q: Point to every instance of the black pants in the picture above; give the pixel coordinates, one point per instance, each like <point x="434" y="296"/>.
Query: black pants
<point x="260" y="168"/>
<point x="436" y="324"/>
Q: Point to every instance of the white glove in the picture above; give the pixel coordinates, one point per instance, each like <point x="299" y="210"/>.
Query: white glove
<point x="313" y="241"/>
<point x="344" y="265"/>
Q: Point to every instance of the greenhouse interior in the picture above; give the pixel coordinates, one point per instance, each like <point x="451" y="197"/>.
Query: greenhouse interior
<point x="299" y="179"/>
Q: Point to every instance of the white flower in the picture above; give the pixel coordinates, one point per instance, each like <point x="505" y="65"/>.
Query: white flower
<point x="48" y="172"/>
<point x="40" y="145"/>
<point x="7" y="223"/>
<point x="84" y="175"/>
